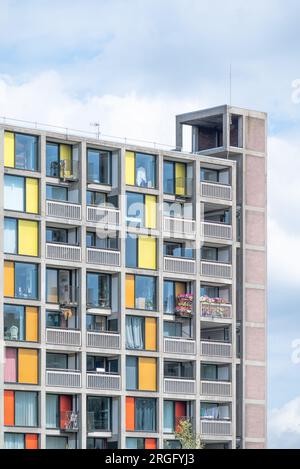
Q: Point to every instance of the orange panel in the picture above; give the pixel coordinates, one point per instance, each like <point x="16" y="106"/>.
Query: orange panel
<point x="9" y="408"/>
<point x="180" y="288"/>
<point x="9" y="279"/>
<point x="31" y="441"/>
<point x="130" y="291"/>
<point x="65" y="406"/>
<point x="150" y="443"/>
<point x="130" y="418"/>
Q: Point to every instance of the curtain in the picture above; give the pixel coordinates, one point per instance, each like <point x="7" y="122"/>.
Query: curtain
<point x="168" y="416"/>
<point x="145" y="415"/>
<point x="51" y="410"/>
<point x="135" y="333"/>
<point x="10" y="235"/>
<point x="13" y="441"/>
<point x="210" y="411"/>
<point x="25" y="409"/>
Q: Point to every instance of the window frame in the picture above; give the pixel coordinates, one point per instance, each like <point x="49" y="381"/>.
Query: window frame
<point x="37" y="153"/>
<point x="99" y="151"/>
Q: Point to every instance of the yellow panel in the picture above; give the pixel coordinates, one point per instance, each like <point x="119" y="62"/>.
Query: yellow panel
<point x="129" y="291"/>
<point x="9" y="279"/>
<point x="150" y="333"/>
<point x="28" y="237"/>
<point x="9" y="149"/>
<point x="147" y="374"/>
<point x="150" y="211"/>
<point x="180" y="178"/>
<point x="147" y="252"/>
<point x="130" y="168"/>
<point x="65" y="159"/>
<point x="180" y="288"/>
<point x="32" y="195"/>
<point x="32" y="321"/>
<point x="28" y="366"/>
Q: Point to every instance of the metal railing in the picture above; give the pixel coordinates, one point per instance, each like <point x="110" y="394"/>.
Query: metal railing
<point x="104" y="381"/>
<point x="103" y="215"/>
<point x="216" y="230"/>
<point x="216" y="191"/>
<point x="63" y="337"/>
<point x="179" y="265"/>
<point x="179" y="346"/>
<point x="97" y="421"/>
<point x="215" y="310"/>
<point x="103" y="257"/>
<point x="69" y="421"/>
<point x="216" y="427"/>
<point x="63" y="252"/>
<point x="63" y="210"/>
<point x="179" y="386"/>
<point x="216" y="349"/>
<point x="104" y="340"/>
<point x="216" y="269"/>
<point x="179" y="226"/>
<point x="63" y="378"/>
<point x="216" y="388"/>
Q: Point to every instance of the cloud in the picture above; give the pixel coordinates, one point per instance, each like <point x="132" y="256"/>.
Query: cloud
<point x="284" y="426"/>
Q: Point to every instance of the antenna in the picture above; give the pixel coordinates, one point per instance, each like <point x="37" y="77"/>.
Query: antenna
<point x="230" y="83"/>
<point x="97" y="126"/>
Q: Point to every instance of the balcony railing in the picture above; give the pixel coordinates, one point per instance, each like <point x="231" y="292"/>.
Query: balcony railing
<point x="103" y="381"/>
<point x="216" y="349"/>
<point x="216" y="269"/>
<point x="179" y="265"/>
<point x="179" y="346"/>
<point x="180" y="227"/>
<point x="216" y="388"/>
<point x="63" y="378"/>
<point x="97" y="422"/>
<point x="103" y="215"/>
<point x="103" y="257"/>
<point x="104" y="340"/>
<point x="63" y="337"/>
<point x="179" y="386"/>
<point x="216" y="191"/>
<point x="215" y="310"/>
<point x="216" y="230"/>
<point x="216" y="427"/>
<point x="69" y="421"/>
<point x="63" y="252"/>
<point x="63" y="210"/>
<point x="67" y="170"/>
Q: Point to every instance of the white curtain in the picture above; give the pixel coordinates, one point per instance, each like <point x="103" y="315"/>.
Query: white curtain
<point x="135" y="333"/>
<point x="26" y="409"/>
<point x="10" y="236"/>
<point x="13" y="441"/>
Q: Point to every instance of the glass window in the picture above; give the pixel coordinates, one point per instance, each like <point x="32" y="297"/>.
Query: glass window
<point x="93" y="240"/>
<point x="56" y="193"/>
<point x="98" y="290"/>
<point x="131" y="373"/>
<point x="52" y="160"/>
<point x="54" y="319"/>
<point x="14" y="441"/>
<point x="135" y="443"/>
<point x="96" y="323"/>
<point x="215" y="411"/>
<point x="145" y="415"/>
<point x="56" y="442"/>
<point x="98" y="169"/>
<point x="215" y="372"/>
<point x="94" y="362"/>
<point x="135" y="333"/>
<point x="95" y="198"/>
<point x="172" y="329"/>
<point x="26" y="152"/>
<point x="145" y="170"/>
<point x="57" y="361"/>
<point x="169" y="414"/>
<point x="52" y="411"/>
<point x="131" y="250"/>
<point x="98" y="409"/>
<point x="26" y="280"/>
<point x="26" y="409"/>
<point x="169" y="297"/>
<point x="14" y="193"/>
<point x="96" y="443"/>
<point x="169" y="177"/>
<point x="57" y="235"/>
<point x="10" y="235"/>
<point x="145" y="292"/>
<point x="172" y="444"/>
<point x="178" y="369"/>
<point x="135" y="209"/>
<point x="14" y="322"/>
<point x="52" y="285"/>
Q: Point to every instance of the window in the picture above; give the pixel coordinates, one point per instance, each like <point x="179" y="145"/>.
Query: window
<point x="21" y="408"/>
<point x="21" y="366"/>
<point x="57" y="235"/>
<point x="140" y="292"/>
<point x="140" y="251"/>
<point x="140" y="333"/>
<point x="93" y="240"/>
<point x="174" y="411"/>
<point x="21" y="151"/>
<point x="99" y="166"/>
<point x="21" y="194"/>
<point x="99" y="413"/>
<point x="175" y="181"/>
<point x="141" y="374"/>
<point x="52" y="411"/>
<point x="56" y="361"/>
<point x="172" y="329"/>
<point x="96" y="443"/>
<point x="14" y="440"/>
<point x="215" y="175"/>
<point x="98" y="290"/>
<point x="215" y="411"/>
<point x="212" y="372"/>
<point x="183" y="370"/>
<point x="59" y="408"/>
<point x="140" y="170"/>
<point x="145" y="415"/>
<point x="57" y="193"/>
<point x="178" y="250"/>
<point x="20" y="280"/>
<point x="59" y="163"/>
<point x="61" y="320"/>
<point x="97" y="363"/>
<point x="216" y="292"/>
<point x="141" y="210"/>
<point x="20" y="323"/>
<point x="178" y="210"/>
<point x="61" y="286"/>
<point x="214" y="254"/>
<point x="141" y="443"/>
<point x="21" y="237"/>
<point x="56" y="442"/>
<point x="171" y="291"/>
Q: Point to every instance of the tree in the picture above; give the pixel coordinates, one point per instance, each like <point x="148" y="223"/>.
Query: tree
<point x="188" y="439"/>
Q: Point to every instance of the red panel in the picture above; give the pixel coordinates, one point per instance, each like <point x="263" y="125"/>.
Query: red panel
<point x="150" y="443"/>
<point x="31" y="441"/>
<point x="180" y="411"/>
<point x="130" y="414"/>
<point x="65" y="406"/>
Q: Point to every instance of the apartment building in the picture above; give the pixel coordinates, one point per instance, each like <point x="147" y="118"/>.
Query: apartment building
<point x="133" y="288"/>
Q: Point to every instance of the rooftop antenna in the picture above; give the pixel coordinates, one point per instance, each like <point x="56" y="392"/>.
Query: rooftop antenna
<point x="230" y="83"/>
<point x="97" y="126"/>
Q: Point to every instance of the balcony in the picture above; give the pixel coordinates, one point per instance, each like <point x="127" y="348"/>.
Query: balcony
<point x="179" y="346"/>
<point x="103" y="215"/>
<point x="216" y="230"/>
<point x="69" y="421"/>
<point x="179" y="386"/>
<point x="103" y="257"/>
<point x="103" y="340"/>
<point x="216" y="191"/>
<point x="179" y="227"/>
<point x="98" y="423"/>
<point x="63" y="337"/>
<point x="216" y="388"/>
<point x="63" y="252"/>
<point x="215" y="308"/>
<point x="216" y="269"/>
<point x="216" y="349"/>
<point x="63" y="210"/>
<point x="104" y="381"/>
<point x="63" y="378"/>
<point x="212" y="427"/>
<point x="179" y="265"/>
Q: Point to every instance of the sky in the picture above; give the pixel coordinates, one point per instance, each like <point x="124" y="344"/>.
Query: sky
<point x="132" y="66"/>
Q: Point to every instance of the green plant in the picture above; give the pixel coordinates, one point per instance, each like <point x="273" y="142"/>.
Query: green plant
<point x="185" y="434"/>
